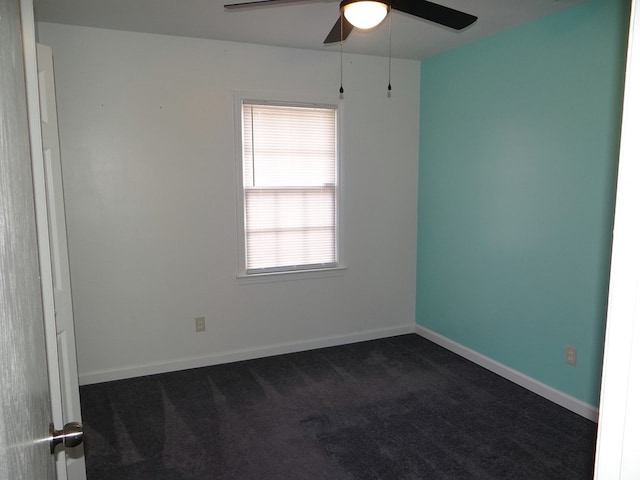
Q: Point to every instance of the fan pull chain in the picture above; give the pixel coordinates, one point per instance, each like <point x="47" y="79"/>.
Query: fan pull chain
<point x="341" y="43"/>
<point x="389" y="85"/>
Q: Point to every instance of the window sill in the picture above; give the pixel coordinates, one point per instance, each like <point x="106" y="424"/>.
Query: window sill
<point x="288" y="276"/>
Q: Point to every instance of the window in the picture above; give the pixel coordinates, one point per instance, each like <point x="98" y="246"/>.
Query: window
<point x="289" y="186"/>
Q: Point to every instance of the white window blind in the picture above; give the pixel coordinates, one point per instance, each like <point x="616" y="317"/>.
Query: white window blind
<point x="289" y="179"/>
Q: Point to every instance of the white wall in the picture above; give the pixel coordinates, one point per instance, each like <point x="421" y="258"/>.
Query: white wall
<point x="146" y="127"/>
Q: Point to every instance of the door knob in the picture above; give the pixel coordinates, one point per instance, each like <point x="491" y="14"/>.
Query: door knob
<point x="70" y="435"/>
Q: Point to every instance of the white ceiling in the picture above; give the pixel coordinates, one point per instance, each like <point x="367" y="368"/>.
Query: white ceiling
<point x="297" y="25"/>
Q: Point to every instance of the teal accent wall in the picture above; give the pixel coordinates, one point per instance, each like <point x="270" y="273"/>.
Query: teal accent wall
<point x="518" y="154"/>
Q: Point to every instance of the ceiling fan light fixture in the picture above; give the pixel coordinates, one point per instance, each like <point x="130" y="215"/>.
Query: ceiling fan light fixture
<point x="364" y="14"/>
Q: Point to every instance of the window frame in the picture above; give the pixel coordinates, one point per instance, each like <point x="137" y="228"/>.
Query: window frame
<point x="243" y="275"/>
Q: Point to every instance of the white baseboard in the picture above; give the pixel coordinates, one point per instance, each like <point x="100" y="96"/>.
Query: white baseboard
<point x="556" y="396"/>
<point x="239" y="355"/>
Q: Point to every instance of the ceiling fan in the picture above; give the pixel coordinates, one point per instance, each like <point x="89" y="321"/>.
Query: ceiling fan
<point x="368" y="14"/>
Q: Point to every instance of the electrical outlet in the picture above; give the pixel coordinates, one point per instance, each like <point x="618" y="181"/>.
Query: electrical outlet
<point x="571" y="355"/>
<point x="200" y="325"/>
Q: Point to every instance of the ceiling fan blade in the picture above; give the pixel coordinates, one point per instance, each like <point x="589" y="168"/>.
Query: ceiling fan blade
<point x="260" y="3"/>
<point x="435" y="13"/>
<point x="336" y="32"/>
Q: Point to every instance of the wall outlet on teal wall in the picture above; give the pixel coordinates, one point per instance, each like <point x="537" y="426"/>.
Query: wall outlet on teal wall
<point x="571" y="355"/>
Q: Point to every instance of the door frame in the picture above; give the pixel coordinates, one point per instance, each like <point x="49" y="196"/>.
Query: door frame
<point x="56" y="384"/>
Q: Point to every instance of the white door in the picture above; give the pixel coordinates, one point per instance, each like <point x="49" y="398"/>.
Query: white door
<point x="25" y="410"/>
<point x="56" y="280"/>
<point x="619" y="424"/>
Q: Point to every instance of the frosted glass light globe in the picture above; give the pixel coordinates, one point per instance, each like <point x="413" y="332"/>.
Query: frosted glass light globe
<point x="365" y="14"/>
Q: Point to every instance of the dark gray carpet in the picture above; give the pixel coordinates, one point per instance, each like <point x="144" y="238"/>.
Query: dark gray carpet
<point x="397" y="408"/>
